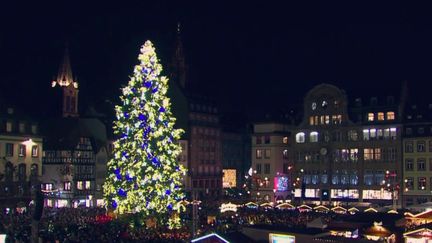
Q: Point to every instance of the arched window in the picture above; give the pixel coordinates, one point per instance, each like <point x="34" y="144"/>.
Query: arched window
<point x="300" y="137"/>
<point x="22" y="172"/>
<point x="313" y="137"/>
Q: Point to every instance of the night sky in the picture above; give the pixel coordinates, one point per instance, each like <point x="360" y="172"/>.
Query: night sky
<point x="249" y="57"/>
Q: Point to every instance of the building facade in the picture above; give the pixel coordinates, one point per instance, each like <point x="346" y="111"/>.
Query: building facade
<point x="271" y="161"/>
<point x="21" y="159"/>
<point x="349" y="154"/>
<point x="417" y="157"/>
<point x="76" y="150"/>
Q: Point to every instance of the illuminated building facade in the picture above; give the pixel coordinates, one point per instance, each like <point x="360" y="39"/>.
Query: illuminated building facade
<point x="417" y="158"/>
<point x="20" y="158"/>
<point x="347" y="153"/>
<point x="76" y="150"/>
<point x="272" y="161"/>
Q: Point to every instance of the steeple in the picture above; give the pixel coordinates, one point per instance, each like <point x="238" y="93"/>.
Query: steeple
<point x="179" y="67"/>
<point x="69" y="87"/>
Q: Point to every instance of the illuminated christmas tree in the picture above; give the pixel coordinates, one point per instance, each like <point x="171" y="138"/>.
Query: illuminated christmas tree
<point x="144" y="175"/>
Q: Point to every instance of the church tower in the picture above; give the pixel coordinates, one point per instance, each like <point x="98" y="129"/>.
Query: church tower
<point x="178" y="65"/>
<point x="69" y="88"/>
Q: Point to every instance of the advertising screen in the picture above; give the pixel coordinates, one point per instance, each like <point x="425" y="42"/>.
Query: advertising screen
<point x="280" y="238"/>
<point x="281" y="183"/>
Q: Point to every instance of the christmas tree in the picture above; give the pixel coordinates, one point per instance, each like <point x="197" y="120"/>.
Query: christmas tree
<point x="144" y="175"/>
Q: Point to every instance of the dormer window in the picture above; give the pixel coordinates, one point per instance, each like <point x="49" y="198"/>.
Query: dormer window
<point x="314" y="105"/>
<point x="300" y="137"/>
<point x="313" y="137"/>
<point x="371" y="116"/>
<point x="324" y="104"/>
<point x="380" y="116"/>
<point x="390" y="115"/>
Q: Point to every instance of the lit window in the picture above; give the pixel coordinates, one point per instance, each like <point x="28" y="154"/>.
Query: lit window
<point x="311" y="121"/>
<point x="8" y="126"/>
<point x="366" y="134"/>
<point x="285" y="140"/>
<point x="390" y="115"/>
<point x="421" y="183"/>
<point x="393" y="133"/>
<point x="377" y="155"/>
<point x="285" y="154"/>
<point x="34" y="152"/>
<point x="372" y="133"/>
<point x="21" y="127"/>
<point x="22" y="150"/>
<point x="313" y="137"/>
<point x="87" y="185"/>
<point x="67" y="186"/>
<point x="324" y="104"/>
<point x="300" y="137"/>
<point x="368" y="154"/>
<point x="80" y="185"/>
<point x="371" y="116"/>
<point x="327" y="120"/>
<point x="259" y="153"/>
<point x="380" y="116"/>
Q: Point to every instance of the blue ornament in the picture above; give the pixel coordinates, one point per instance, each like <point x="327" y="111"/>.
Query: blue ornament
<point x="133" y="90"/>
<point x="122" y="193"/>
<point x="117" y="171"/>
<point x="124" y="154"/>
<point x="114" y="204"/>
<point x="155" y="161"/>
<point x="126" y="115"/>
<point x="128" y="178"/>
<point x="142" y="117"/>
<point x="119" y="177"/>
<point x="169" y="206"/>
<point x="168" y="192"/>
<point x="147" y="84"/>
<point x="161" y="109"/>
<point x="154" y="90"/>
<point x="124" y="135"/>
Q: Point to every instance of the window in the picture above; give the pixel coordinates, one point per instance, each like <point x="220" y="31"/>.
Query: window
<point x="368" y="178"/>
<point x="409" y="147"/>
<point x="87" y="185"/>
<point x="327" y="120"/>
<point x="408" y="131"/>
<point x="34" y="129"/>
<point x="368" y="154"/>
<point x="9" y="149"/>
<point x="266" y="168"/>
<point x="285" y="154"/>
<point x="22" y="172"/>
<point x="300" y="137"/>
<point x="267" y="139"/>
<point x="421" y="183"/>
<point x="371" y="116"/>
<point x="335" y="178"/>
<point x="430" y="164"/>
<point x="258" y="140"/>
<point x="22" y="150"/>
<point x="21" y="127"/>
<point x="285" y="168"/>
<point x="258" y="168"/>
<point x="34" y="170"/>
<point x="83" y="185"/>
<point x="267" y="153"/>
<point x="409" y="164"/>
<point x="8" y="126"/>
<point x="420" y="130"/>
<point x="34" y="152"/>
<point x="67" y="186"/>
<point x="379" y="177"/>
<point x="259" y="153"/>
<point x="393" y="133"/>
<point x="324" y="177"/>
<point x="421" y="164"/>
<point x="391" y="154"/>
<point x="366" y="134"/>
<point x="421" y="146"/>
<point x="430" y="145"/>
<point x="377" y="155"/>
<point x="353" y="154"/>
<point x="390" y="115"/>
<point x="80" y="185"/>
<point x="313" y="137"/>
<point x="47" y="186"/>
<point x="409" y="183"/>
<point x="311" y="121"/>
<point x="352" y="135"/>
<point x="285" y="140"/>
<point x="380" y="116"/>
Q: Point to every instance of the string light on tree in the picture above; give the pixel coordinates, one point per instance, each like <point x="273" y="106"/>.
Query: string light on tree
<point x="144" y="175"/>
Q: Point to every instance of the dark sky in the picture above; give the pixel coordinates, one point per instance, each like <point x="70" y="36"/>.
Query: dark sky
<point x="247" y="55"/>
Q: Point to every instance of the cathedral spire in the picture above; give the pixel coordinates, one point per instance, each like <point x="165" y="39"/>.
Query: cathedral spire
<point x="69" y="87"/>
<point x="179" y="67"/>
